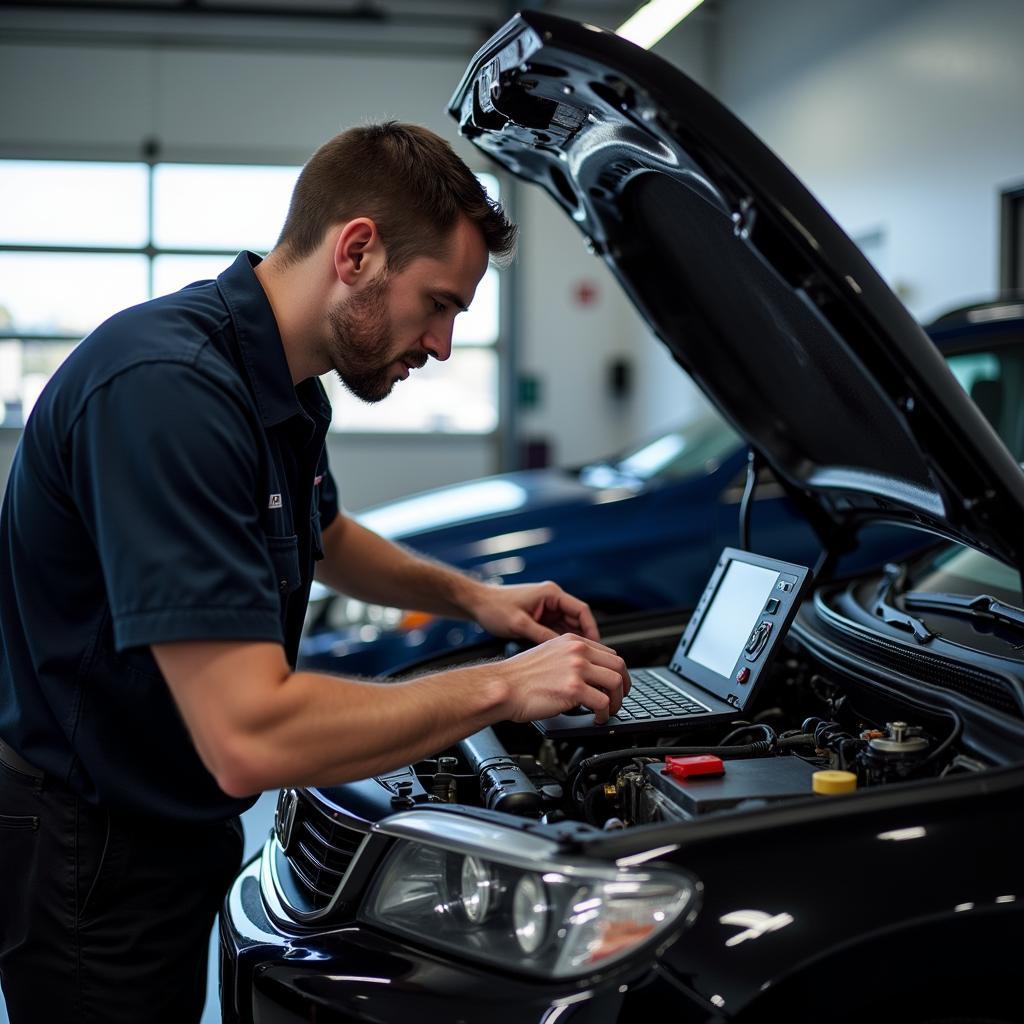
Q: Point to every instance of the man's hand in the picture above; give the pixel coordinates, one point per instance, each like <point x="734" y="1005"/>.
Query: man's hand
<point x="532" y="611"/>
<point x="562" y="674"/>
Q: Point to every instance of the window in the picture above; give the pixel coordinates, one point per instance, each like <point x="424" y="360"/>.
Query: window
<point x="85" y="239"/>
<point x="994" y="379"/>
<point x="1011" y="254"/>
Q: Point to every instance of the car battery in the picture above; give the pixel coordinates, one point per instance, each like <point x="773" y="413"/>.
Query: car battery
<point x="751" y="782"/>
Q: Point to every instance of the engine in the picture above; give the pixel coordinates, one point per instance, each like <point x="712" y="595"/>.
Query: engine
<point x="779" y="753"/>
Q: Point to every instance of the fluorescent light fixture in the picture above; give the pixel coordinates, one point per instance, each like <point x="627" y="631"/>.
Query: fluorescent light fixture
<point x="654" y="20"/>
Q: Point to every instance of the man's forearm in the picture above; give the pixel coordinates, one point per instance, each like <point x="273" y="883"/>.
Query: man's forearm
<point x="364" y="565"/>
<point x="327" y="730"/>
<point x="257" y="725"/>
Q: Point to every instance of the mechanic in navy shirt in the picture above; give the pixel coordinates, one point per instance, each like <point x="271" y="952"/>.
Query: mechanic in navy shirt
<point x="164" y="514"/>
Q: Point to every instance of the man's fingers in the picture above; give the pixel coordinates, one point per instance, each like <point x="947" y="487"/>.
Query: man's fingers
<point x="588" y="624"/>
<point x="600" y="654"/>
<point x="604" y="681"/>
<point x="600" y="703"/>
<point x="530" y="629"/>
<point x="572" y="609"/>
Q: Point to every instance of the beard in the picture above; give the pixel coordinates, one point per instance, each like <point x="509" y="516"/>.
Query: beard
<point x="360" y="343"/>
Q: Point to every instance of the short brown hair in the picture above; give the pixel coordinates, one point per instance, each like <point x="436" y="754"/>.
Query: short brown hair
<point x="408" y="180"/>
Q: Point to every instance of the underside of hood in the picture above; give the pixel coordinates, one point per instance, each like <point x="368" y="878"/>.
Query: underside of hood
<point x="757" y="292"/>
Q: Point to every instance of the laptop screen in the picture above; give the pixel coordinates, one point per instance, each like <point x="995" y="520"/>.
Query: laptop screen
<point x="732" y="614"/>
<point x="742" y="616"/>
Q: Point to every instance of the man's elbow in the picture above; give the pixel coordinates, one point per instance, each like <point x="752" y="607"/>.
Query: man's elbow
<point x="240" y="784"/>
<point x="239" y="770"/>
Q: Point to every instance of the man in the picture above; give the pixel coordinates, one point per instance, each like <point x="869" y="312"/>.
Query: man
<point x="166" y="508"/>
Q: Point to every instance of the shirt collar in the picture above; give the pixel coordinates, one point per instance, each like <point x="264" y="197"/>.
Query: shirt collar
<point x="262" y="350"/>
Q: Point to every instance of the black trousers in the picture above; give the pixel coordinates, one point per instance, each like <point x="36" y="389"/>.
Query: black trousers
<point x="104" y="916"/>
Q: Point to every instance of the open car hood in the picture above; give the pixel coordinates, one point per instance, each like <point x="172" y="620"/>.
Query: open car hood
<point x="758" y="293"/>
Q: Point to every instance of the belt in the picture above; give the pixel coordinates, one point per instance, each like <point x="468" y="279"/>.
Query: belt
<point x="10" y="757"/>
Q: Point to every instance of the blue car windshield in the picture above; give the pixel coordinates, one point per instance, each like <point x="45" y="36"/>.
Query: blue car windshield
<point x="994" y="378"/>
<point x="695" y="448"/>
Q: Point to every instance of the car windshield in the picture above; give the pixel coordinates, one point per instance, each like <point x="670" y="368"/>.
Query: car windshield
<point x="696" y="447"/>
<point x="994" y="379"/>
<point x="961" y="570"/>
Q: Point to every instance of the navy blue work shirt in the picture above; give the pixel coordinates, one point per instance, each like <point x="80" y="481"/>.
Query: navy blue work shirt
<point x="171" y="484"/>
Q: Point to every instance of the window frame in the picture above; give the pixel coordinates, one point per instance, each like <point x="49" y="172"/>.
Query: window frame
<point x="152" y="159"/>
<point x="1011" y="239"/>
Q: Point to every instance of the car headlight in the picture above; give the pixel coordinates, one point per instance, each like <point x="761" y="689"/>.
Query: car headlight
<point x="509" y="898"/>
<point x="334" y="612"/>
<point x="530" y="912"/>
<point x="478" y="890"/>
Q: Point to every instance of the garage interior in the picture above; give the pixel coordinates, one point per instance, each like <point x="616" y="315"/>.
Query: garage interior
<point x="902" y="119"/>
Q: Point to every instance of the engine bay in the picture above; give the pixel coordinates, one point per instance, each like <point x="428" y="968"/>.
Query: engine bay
<point x="812" y="733"/>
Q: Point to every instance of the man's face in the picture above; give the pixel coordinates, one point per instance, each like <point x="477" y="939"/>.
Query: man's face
<point x="395" y="322"/>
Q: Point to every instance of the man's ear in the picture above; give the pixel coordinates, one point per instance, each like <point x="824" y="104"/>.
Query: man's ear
<point x="357" y="251"/>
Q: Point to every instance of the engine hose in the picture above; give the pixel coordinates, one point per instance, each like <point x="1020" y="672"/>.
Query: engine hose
<point x="796" y="739"/>
<point x="762" y="727"/>
<point x="756" y="749"/>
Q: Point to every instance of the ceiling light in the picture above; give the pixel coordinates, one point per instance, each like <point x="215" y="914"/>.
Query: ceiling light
<point x="654" y="20"/>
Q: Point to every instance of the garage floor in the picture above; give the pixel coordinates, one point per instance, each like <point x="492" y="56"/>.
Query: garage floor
<point x="257" y="822"/>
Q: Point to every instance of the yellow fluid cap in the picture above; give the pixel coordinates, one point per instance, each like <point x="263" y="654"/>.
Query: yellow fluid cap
<point x="830" y="782"/>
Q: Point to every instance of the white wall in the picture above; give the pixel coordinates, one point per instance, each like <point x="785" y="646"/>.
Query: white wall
<point x="904" y="117"/>
<point x="370" y="469"/>
<point x="567" y="344"/>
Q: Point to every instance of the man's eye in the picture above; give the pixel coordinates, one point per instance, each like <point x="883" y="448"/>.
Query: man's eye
<point x="439" y="307"/>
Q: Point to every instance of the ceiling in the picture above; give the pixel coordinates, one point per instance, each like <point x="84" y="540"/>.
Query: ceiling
<point x="434" y="26"/>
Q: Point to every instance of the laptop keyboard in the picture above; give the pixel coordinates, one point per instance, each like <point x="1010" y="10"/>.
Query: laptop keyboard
<point x="650" y="697"/>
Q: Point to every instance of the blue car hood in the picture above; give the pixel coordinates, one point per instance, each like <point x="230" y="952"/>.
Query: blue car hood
<point x="485" y="501"/>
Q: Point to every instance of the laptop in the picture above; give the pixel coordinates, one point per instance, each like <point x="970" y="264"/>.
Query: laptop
<point x="722" y="656"/>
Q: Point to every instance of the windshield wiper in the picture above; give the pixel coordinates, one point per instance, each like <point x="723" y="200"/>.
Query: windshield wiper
<point x="981" y="605"/>
<point x="891" y="616"/>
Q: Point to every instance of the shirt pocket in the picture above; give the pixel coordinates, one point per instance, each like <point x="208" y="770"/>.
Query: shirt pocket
<point x="284" y="553"/>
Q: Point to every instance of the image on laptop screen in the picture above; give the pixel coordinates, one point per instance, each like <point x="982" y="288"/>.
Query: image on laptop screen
<point x="733" y="613"/>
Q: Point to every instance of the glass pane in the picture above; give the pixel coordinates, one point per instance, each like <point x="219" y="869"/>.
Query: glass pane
<point x="206" y="206"/>
<point x="173" y="272"/>
<point x="995" y="382"/>
<point x="62" y="202"/>
<point x="25" y="367"/>
<point x="458" y="396"/>
<point x="479" y="324"/>
<point x="58" y="293"/>
<point x="10" y="383"/>
<point x="973" y="367"/>
<point x="680" y="453"/>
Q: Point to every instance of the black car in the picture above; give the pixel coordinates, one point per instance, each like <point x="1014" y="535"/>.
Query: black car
<point x="842" y="845"/>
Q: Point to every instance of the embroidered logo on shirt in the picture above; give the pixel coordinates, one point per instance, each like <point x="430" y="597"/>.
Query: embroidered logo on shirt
<point x="275" y="501"/>
<point x="317" y="480"/>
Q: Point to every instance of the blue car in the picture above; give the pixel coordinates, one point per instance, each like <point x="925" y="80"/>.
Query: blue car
<point x="641" y="530"/>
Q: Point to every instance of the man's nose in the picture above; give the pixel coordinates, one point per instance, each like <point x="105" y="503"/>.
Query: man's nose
<point x="439" y="343"/>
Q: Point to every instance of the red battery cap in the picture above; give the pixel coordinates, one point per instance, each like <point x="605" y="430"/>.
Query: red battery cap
<point x="687" y="767"/>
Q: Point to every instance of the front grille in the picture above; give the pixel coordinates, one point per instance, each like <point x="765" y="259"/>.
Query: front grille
<point x="319" y="852"/>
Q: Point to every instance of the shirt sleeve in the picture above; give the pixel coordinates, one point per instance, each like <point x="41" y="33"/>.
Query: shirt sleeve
<point x="164" y="467"/>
